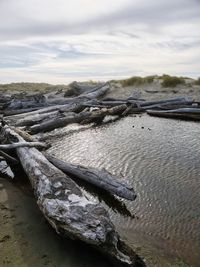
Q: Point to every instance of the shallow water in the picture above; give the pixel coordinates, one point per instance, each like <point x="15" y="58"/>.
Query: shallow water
<point x="161" y="159"/>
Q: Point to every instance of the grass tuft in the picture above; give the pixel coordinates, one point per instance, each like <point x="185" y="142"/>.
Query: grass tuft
<point x="31" y="87"/>
<point x="137" y="80"/>
<point x="171" y="81"/>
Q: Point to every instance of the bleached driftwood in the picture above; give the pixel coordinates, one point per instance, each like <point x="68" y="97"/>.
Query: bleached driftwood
<point x="70" y="212"/>
<point x="22" y="144"/>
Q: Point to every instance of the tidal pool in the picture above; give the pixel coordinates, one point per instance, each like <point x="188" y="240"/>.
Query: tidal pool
<point x="161" y="159"/>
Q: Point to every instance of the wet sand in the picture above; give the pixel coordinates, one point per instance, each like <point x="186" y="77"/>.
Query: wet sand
<point x="27" y="240"/>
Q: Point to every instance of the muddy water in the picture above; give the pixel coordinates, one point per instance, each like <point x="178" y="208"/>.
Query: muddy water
<point x="161" y="159"/>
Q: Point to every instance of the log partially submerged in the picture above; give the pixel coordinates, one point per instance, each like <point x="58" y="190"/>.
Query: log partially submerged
<point x="69" y="211"/>
<point x="181" y="113"/>
<point x="100" y="178"/>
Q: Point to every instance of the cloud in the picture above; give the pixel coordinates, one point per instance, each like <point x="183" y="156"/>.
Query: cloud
<point x="60" y="41"/>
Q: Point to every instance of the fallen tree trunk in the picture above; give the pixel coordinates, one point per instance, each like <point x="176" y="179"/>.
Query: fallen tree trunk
<point x="67" y="209"/>
<point x="182" y="113"/>
<point x="82" y="117"/>
<point x="19" y="111"/>
<point x="136" y="103"/>
<point x="35" y="119"/>
<point x="67" y="107"/>
<point x="22" y="144"/>
<point x="99" y="178"/>
<point x="162" y="106"/>
<point x="52" y="124"/>
<point x="158" y="102"/>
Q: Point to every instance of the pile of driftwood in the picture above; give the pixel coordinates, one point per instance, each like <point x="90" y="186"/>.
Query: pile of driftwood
<point x="68" y="208"/>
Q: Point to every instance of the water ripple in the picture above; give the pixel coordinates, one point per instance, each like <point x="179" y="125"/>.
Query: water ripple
<point x="161" y="159"/>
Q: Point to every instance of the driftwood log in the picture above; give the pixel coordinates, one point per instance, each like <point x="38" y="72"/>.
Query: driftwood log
<point x="22" y="144"/>
<point x="69" y="211"/>
<point x="72" y="117"/>
<point x="43" y="101"/>
<point x="181" y="113"/>
<point x="100" y="178"/>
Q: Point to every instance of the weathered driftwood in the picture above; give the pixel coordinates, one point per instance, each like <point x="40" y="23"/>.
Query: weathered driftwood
<point x="71" y="104"/>
<point x="70" y="212"/>
<point x="24" y="104"/>
<point x="52" y="124"/>
<point x="40" y="117"/>
<point x="158" y="102"/>
<point x="72" y="117"/>
<point x="136" y="103"/>
<point x="99" y="178"/>
<point x="77" y="88"/>
<point x="18" y="111"/>
<point x="96" y="92"/>
<point x="35" y="103"/>
<point x="162" y="106"/>
<point x="22" y="144"/>
<point x="92" y="94"/>
<point x="5" y="169"/>
<point x="37" y="118"/>
<point x="87" y="117"/>
<point x="182" y="113"/>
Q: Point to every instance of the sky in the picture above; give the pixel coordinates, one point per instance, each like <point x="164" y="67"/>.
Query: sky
<point x="59" y="41"/>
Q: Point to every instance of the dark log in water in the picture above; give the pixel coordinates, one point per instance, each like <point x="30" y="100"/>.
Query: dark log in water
<point x="99" y="178"/>
<point x="69" y="211"/>
<point x="158" y="102"/>
<point x="182" y="113"/>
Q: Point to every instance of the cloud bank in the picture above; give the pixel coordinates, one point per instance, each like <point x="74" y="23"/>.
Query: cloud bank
<point x="61" y="41"/>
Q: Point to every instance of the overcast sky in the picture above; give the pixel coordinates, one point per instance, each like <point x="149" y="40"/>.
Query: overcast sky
<point x="58" y="41"/>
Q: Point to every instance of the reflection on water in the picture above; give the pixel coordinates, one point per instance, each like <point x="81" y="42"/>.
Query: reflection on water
<point x="161" y="158"/>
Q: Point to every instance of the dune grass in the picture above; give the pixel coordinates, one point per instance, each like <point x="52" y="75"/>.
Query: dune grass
<point x="31" y="87"/>
<point x="178" y="264"/>
<point x="137" y="80"/>
<point x="171" y="81"/>
<point x="166" y="80"/>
